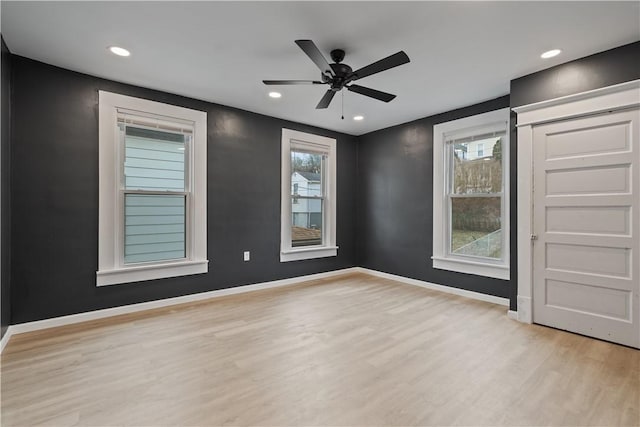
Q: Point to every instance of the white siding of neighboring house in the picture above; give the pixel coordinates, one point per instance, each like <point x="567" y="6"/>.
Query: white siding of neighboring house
<point x="303" y="210"/>
<point x="154" y="224"/>
<point x="473" y="146"/>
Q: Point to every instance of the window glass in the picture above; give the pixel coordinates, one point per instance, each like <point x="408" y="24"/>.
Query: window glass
<point x="307" y="196"/>
<point x="154" y="215"/>
<point x="154" y="160"/>
<point x="473" y="174"/>
<point x="154" y="227"/>
<point x="475" y="197"/>
<point x="476" y="227"/>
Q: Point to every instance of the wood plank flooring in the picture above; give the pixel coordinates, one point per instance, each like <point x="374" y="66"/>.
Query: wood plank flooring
<point x="352" y="350"/>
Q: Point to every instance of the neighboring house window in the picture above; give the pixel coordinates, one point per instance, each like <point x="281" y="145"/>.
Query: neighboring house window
<point x="152" y="190"/>
<point x="308" y="224"/>
<point x="461" y="151"/>
<point x="471" y="195"/>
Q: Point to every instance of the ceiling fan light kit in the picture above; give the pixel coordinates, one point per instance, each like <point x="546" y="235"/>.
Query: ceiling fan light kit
<point x="339" y="76"/>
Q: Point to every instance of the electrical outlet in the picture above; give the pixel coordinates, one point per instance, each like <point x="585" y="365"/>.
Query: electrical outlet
<point x="247" y="255"/>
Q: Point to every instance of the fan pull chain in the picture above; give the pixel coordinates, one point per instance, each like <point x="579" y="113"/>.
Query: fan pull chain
<point x="342" y="105"/>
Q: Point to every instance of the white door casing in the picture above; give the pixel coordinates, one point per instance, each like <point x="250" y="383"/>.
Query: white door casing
<point x="578" y="193"/>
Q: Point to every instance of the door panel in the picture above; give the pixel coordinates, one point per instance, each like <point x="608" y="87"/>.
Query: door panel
<point x="599" y="220"/>
<point x="586" y="259"/>
<point x="606" y="138"/>
<point x="595" y="300"/>
<point x="593" y="180"/>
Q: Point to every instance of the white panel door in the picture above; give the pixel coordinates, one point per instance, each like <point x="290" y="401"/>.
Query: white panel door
<point x="586" y="218"/>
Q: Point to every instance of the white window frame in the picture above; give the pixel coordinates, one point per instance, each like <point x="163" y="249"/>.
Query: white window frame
<point x="111" y="267"/>
<point x="442" y="259"/>
<point x="295" y="139"/>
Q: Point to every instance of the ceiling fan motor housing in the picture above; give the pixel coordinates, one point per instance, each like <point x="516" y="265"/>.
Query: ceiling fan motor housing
<point x="341" y="71"/>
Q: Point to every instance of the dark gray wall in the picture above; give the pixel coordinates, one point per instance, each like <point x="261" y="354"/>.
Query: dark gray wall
<point x="395" y="202"/>
<point x="5" y="144"/>
<point x="603" y="69"/>
<point x="55" y="197"/>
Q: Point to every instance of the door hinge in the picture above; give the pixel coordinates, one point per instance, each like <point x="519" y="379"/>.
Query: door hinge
<point x="534" y="237"/>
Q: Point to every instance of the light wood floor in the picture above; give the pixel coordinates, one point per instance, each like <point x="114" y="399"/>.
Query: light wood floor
<point x="355" y="350"/>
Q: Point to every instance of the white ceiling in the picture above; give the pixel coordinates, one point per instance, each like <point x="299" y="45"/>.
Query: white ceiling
<point x="461" y="52"/>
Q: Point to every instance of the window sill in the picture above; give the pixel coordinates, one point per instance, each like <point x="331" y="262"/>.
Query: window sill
<point x="308" y="253"/>
<point x="150" y="272"/>
<point x="495" y="271"/>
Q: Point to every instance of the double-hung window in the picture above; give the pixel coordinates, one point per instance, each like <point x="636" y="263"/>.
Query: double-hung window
<point x="152" y="219"/>
<point x="471" y="205"/>
<point x="308" y="226"/>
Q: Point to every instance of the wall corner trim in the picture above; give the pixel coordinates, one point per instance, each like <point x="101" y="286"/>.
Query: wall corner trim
<point x="525" y="309"/>
<point x="5" y="339"/>
<point x="435" y="287"/>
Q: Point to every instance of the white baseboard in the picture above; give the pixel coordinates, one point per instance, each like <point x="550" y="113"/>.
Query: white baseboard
<point x="436" y="287"/>
<point x="512" y="314"/>
<point x="22" y="328"/>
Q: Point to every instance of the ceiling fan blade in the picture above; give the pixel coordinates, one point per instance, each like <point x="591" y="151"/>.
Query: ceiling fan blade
<point x="292" y="82"/>
<point x="312" y="51"/>
<point x="326" y="100"/>
<point x="372" y="93"/>
<point x="382" y="65"/>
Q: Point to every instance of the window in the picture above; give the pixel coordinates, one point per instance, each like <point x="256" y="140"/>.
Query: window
<point x="470" y="205"/>
<point x="152" y="213"/>
<point x="308" y="224"/>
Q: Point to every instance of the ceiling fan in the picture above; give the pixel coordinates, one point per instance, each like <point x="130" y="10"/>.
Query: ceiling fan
<point x="339" y="75"/>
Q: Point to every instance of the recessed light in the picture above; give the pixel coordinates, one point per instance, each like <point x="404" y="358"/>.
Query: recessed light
<point x="358" y="118"/>
<point x="275" y="94"/>
<point x="120" y="51"/>
<point x="550" y="53"/>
